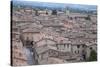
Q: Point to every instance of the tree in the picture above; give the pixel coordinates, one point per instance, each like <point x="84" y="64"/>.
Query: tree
<point x="54" y="12"/>
<point x="36" y="12"/>
<point x="46" y="13"/>
<point x="88" y="17"/>
<point x="93" y="56"/>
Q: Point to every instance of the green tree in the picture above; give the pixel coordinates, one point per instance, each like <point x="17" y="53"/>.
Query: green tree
<point x="54" y="12"/>
<point x="93" y="56"/>
<point x="46" y="13"/>
<point x="36" y="12"/>
<point x="88" y="17"/>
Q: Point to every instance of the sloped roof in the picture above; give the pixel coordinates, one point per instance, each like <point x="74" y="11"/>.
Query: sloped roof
<point x="46" y="41"/>
<point x="44" y="48"/>
<point x="31" y="30"/>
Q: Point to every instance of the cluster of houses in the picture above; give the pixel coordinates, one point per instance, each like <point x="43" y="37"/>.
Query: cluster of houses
<point x="18" y="55"/>
<point x="60" y="38"/>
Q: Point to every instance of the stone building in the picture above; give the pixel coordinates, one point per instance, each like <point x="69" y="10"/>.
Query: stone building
<point x="64" y="46"/>
<point x="18" y="55"/>
<point x="29" y="32"/>
<point x="42" y="48"/>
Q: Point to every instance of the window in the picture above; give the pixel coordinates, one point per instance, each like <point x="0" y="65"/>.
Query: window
<point x="90" y="48"/>
<point x="27" y="38"/>
<point x="75" y="52"/>
<point x="78" y="51"/>
<point x="68" y="45"/>
<point x="94" y="32"/>
<point x="15" y="29"/>
<point x="83" y="45"/>
<point x="64" y="45"/>
<point x="78" y="46"/>
<point x="16" y="61"/>
<point x="15" y="47"/>
<point x="57" y="46"/>
<point x="20" y="54"/>
<point x="41" y="56"/>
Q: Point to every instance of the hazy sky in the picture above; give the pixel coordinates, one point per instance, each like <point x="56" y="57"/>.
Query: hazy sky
<point x="65" y="1"/>
<point x="90" y="2"/>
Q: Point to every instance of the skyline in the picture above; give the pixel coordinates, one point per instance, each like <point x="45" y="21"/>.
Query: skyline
<point x="56" y="5"/>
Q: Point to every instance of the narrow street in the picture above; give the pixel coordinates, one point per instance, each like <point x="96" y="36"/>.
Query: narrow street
<point x="29" y="54"/>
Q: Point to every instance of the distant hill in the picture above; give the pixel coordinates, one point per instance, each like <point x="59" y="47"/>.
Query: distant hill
<point x="59" y="6"/>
